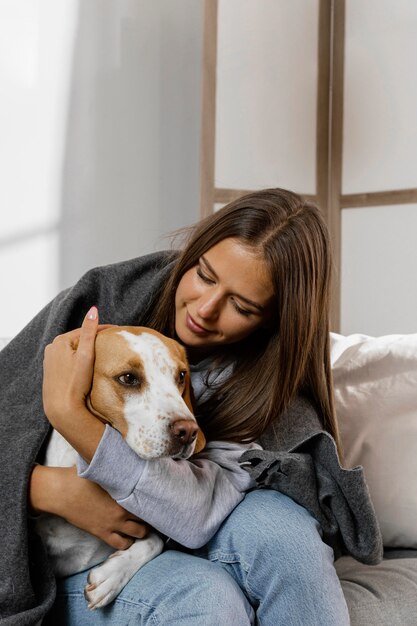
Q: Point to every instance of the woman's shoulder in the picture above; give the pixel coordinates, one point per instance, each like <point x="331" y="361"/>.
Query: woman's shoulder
<point x="122" y="291"/>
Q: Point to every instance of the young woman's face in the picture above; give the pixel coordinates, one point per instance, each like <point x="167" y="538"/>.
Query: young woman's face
<point x="224" y="298"/>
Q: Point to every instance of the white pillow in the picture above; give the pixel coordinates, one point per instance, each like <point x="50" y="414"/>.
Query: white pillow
<point x="375" y="380"/>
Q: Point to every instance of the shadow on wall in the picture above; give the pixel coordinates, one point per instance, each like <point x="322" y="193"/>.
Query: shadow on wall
<point x="131" y="158"/>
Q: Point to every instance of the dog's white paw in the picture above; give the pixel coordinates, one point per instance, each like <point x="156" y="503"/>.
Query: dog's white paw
<point x="105" y="582"/>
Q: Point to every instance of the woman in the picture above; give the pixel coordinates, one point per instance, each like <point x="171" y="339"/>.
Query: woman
<point x="249" y="299"/>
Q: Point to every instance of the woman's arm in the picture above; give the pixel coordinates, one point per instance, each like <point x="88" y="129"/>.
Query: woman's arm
<point x="186" y="500"/>
<point x="59" y="491"/>
<point x="68" y="371"/>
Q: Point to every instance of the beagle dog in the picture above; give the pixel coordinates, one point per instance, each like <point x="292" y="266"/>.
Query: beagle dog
<point x="141" y="387"/>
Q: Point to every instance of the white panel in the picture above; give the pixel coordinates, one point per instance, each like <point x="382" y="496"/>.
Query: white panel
<point x="99" y="136"/>
<point x="36" y="40"/>
<point x="28" y="279"/>
<point x="379" y="263"/>
<point x="380" y="130"/>
<point x="266" y="94"/>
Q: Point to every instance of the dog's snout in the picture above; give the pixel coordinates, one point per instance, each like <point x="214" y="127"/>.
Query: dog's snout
<point x="184" y="430"/>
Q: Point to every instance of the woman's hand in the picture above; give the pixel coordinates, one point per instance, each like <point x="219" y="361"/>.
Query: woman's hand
<point x="67" y="377"/>
<point x="68" y="370"/>
<point x="60" y="491"/>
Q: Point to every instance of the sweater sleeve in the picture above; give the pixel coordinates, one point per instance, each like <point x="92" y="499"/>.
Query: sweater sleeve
<point x="186" y="500"/>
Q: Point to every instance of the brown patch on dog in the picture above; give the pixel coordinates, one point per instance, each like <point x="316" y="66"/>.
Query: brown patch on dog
<point x="113" y="358"/>
<point x="179" y="355"/>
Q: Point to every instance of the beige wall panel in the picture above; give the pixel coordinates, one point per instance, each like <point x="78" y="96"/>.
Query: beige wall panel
<point x="379" y="265"/>
<point x="380" y="123"/>
<point x="266" y="94"/>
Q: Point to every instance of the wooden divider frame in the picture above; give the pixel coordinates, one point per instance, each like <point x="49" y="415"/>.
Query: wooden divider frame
<point x="329" y="134"/>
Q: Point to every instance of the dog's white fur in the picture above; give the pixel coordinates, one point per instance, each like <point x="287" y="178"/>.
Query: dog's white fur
<point x="144" y="413"/>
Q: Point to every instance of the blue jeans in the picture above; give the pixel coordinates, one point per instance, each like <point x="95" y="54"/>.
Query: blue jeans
<point x="266" y="565"/>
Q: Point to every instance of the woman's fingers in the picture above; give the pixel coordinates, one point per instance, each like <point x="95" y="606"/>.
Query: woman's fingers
<point x="68" y="370"/>
<point x="75" y="333"/>
<point x="88" y="333"/>
<point x="118" y="542"/>
<point x="123" y="539"/>
<point x="125" y="535"/>
<point x="139" y="530"/>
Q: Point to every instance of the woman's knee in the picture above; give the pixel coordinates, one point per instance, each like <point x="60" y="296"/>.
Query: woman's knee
<point x="270" y="513"/>
<point x="274" y="550"/>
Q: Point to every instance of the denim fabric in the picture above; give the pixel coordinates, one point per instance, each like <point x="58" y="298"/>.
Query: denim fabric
<point x="266" y="565"/>
<point x="175" y="588"/>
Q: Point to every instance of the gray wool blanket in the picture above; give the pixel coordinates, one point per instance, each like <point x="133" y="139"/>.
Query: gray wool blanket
<point x="122" y="292"/>
<point x="299" y="459"/>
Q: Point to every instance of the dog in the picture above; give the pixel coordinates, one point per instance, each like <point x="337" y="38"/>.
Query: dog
<point x="141" y="387"/>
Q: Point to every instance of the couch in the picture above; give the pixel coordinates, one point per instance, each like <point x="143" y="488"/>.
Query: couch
<point x="375" y="383"/>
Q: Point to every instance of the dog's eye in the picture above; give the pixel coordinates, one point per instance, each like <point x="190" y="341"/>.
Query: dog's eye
<point x="181" y="377"/>
<point x="129" y="379"/>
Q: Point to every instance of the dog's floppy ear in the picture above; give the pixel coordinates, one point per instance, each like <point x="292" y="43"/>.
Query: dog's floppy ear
<point x="200" y="444"/>
<point x="187" y="394"/>
<point x="97" y="414"/>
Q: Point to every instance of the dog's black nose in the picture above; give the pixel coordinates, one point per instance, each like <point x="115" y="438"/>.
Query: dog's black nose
<point x="184" y="430"/>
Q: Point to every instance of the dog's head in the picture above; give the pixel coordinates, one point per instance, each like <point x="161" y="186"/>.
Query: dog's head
<point x="141" y="386"/>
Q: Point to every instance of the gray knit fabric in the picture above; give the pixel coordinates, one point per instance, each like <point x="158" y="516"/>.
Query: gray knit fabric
<point x="122" y="293"/>
<point x="300" y="460"/>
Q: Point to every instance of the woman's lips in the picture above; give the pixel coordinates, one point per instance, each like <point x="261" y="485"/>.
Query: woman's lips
<point x="194" y="327"/>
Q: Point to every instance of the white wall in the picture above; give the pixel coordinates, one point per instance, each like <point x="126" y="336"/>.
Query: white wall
<point x="266" y="94"/>
<point x="99" y="125"/>
<point x="379" y="254"/>
<point x="265" y="134"/>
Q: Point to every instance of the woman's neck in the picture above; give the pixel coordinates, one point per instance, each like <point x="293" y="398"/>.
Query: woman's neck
<point x="197" y="354"/>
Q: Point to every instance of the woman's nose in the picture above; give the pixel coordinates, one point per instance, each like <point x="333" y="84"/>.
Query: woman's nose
<point x="208" y="306"/>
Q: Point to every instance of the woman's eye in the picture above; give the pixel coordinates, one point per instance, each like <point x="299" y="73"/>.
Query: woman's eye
<point x="181" y="377"/>
<point x="241" y="311"/>
<point x="203" y="277"/>
<point x="129" y="379"/>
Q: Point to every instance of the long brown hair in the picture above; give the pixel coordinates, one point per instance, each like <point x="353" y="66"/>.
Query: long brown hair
<point x="293" y="354"/>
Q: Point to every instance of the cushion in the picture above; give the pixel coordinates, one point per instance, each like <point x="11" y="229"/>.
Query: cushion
<point x="375" y="381"/>
<point x="380" y="595"/>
